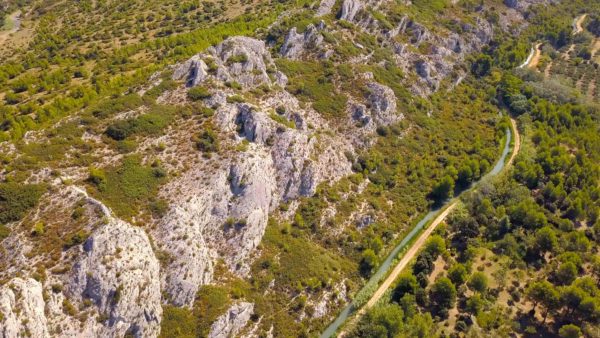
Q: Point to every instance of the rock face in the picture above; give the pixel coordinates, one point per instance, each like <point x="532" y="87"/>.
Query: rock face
<point x="380" y="108"/>
<point x="238" y="59"/>
<point x="296" y="44"/>
<point x="349" y="9"/>
<point x="226" y="214"/>
<point x="119" y="273"/>
<point x="325" y="7"/>
<point x="230" y="323"/>
<point x="524" y="4"/>
<point x="382" y="102"/>
<point x="22" y="309"/>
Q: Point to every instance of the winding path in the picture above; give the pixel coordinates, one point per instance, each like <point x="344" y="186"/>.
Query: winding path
<point x="418" y="244"/>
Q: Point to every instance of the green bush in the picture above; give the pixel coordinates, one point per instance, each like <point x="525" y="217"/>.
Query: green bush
<point x="129" y="187"/>
<point x="239" y="58"/>
<point x="198" y="93"/>
<point x="177" y="322"/>
<point x="207" y="141"/>
<point x="146" y="124"/>
<point x="16" y="199"/>
<point x="110" y="107"/>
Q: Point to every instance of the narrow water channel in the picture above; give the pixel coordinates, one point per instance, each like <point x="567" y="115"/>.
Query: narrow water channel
<point x="387" y="263"/>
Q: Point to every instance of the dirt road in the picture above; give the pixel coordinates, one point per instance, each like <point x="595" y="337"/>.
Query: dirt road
<point x="418" y="244"/>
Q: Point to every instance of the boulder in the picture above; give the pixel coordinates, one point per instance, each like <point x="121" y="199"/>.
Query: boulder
<point x="296" y="44"/>
<point x="230" y="323"/>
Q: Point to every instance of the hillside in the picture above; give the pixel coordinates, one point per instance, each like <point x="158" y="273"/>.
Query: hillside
<point x="242" y="168"/>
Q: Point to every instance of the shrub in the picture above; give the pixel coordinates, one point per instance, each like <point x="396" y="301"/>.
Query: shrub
<point x="130" y="186"/>
<point x="207" y="141"/>
<point x="110" y="107"/>
<point x="177" y="322"/>
<point x="239" y="58"/>
<point x="198" y="93"/>
<point x="146" y="124"/>
<point x="97" y="176"/>
<point x="16" y="199"/>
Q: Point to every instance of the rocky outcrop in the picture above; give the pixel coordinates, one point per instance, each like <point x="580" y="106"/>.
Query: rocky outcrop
<point x="119" y="273"/>
<point x="225" y="214"/>
<point x="382" y="102"/>
<point x="22" y="309"/>
<point x="325" y="7"/>
<point x="349" y="9"/>
<point x="230" y="323"/>
<point x="524" y="4"/>
<point x="380" y="108"/>
<point x="238" y="59"/>
<point x="296" y="44"/>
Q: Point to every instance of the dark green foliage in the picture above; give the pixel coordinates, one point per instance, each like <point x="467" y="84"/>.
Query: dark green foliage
<point x="458" y="274"/>
<point x="198" y="93"/>
<point x="16" y="199"/>
<point x="368" y="262"/>
<point x="444" y="189"/>
<point x="110" y="107"/>
<point x="406" y="283"/>
<point x="130" y="186"/>
<point x="146" y="124"/>
<point x="569" y="331"/>
<point x="207" y="141"/>
<point x="314" y="81"/>
<point x="482" y="65"/>
<point x="442" y="295"/>
<point x="478" y="282"/>
<point x="390" y="321"/>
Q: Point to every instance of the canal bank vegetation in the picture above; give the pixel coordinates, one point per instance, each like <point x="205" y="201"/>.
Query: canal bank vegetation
<point x="520" y="255"/>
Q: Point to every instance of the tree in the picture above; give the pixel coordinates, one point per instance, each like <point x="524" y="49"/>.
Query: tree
<point x="478" y="282"/>
<point x="475" y="304"/>
<point x="543" y="293"/>
<point x="444" y="189"/>
<point x="545" y="239"/>
<point x="482" y="65"/>
<point x="457" y="274"/>
<point x="407" y="283"/>
<point x="198" y="93"/>
<point x="570" y="331"/>
<point x="435" y="246"/>
<point x="368" y="261"/>
<point x="442" y="294"/>
<point x="383" y="321"/>
<point x="566" y="273"/>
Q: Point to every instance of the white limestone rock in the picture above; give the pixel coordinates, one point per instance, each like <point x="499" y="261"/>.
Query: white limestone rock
<point x="119" y="273"/>
<point x="241" y="59"/>
<point x="22" y="309"/>
<point x="295" y="44"/>
<point x="230" y="323"/>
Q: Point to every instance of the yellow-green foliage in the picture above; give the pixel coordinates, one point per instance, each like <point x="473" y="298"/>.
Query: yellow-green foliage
<point x="178" y="322"/>
<point x="314" y="81"/>
<point x="130" y="187"/>
<point x="16" y="199"/>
